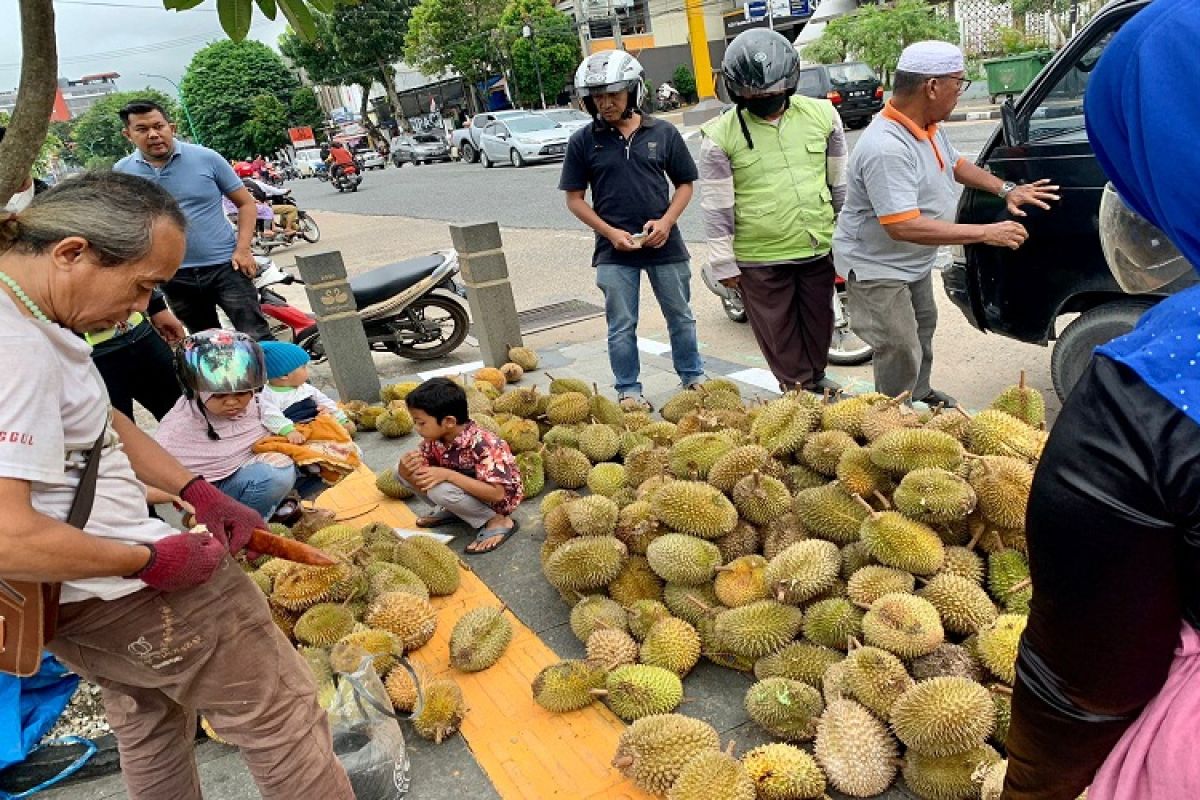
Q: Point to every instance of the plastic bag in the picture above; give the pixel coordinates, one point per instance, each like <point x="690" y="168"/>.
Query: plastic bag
<point x="366" y="735"/>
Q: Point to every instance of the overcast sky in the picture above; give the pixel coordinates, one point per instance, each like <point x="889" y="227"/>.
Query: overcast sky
<point x="125" y="36"/>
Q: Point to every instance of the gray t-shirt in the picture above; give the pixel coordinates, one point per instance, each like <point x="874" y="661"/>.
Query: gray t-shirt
<point x="896" y="172"/>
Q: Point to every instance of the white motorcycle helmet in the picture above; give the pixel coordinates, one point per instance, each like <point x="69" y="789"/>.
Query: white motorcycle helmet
<point x="1140" y="256"/>
<point x="607" y="72"/>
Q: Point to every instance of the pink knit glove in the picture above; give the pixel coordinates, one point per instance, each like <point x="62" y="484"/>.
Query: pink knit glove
<point x="181" y="561"/>
<point x="229" y="522"/>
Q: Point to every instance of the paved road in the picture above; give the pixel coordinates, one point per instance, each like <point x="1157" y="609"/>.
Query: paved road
<point x="516" y="198"/>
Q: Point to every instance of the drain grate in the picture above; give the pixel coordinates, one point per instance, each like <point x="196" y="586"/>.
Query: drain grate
<point x="555" y="315"/>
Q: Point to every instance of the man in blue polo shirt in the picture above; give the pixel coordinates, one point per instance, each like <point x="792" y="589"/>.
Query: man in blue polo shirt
<point x="627" y="159"/>
<point x="218" y="266"/>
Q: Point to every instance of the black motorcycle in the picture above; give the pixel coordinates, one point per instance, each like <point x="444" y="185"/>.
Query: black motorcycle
<point x="306" y="230"/>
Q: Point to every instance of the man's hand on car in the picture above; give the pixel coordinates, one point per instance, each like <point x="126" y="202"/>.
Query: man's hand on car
<point x="1036" y="194"/>
<point x="1005" y="234"/>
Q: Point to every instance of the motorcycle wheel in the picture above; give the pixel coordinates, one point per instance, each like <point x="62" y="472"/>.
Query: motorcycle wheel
<point x="354" y="188"/>
<point x="429" y="312"/>
<point x="309" y="230"/>
<point x="310" y="340"/>
<point x="846" y="349"/>
<point x="258" y="248"/>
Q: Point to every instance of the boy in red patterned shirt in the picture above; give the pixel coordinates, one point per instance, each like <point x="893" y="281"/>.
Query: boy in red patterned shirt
<point x="466" y="472"/>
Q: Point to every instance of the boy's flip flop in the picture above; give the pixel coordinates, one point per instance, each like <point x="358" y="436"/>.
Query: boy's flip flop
<point x="483" y="534"/>
<point x="439" y="517"/>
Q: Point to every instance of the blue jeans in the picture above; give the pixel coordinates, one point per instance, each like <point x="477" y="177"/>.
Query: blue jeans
<point x="259" y="486"/>
<point x="673" y="289"/>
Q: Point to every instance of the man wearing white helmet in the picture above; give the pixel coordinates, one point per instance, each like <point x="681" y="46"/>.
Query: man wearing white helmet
<point x="627" y="159"/>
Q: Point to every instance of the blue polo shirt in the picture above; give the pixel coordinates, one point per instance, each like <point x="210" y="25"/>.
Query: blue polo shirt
<point x="197" y="178"/>
<point x="631" y="182"/>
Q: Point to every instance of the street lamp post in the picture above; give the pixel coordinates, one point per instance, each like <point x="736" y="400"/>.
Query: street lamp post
<point x="527" y="32"/>
<point x="182" y="104"/>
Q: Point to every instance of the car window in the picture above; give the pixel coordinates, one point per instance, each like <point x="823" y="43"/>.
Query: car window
<point x="530" y="124"/>
<point x="481" y="121"/>
<point x="850" y="73"/>
<point x="427" y="139"/>
<point x="810" y="82"/>
<point x="1059" y="116"/>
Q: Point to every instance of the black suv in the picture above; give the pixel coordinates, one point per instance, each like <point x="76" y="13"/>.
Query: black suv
<point x="1060" y="270"/>
<point x="853" y="88"/>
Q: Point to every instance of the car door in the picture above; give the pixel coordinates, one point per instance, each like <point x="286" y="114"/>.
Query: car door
<point x="1021" y="292"/>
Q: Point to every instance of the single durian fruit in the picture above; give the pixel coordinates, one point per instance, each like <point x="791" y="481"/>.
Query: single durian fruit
<point x="611" y="648"/>
<point x="847" y="415"/>
<point x="433" y="562"/>
<point x="642" y="615"/>
<point x="784" y="772"/>
<point x="782" y="424"/>
<point x="323" y="624"/>
<point x="532" y="467"/>
<point x="933" y="495"/>
<point x="855" y="749"/>
<point x="596" y="612"/>
<point x="799" y="661"/>
<point x="996" y="433"/>
<point x="799" y="477"/>
<point x="757" y="629"/>
<point x="897" y="541"/>
<point x="990" y="778"/>
<point x="738" y="462"/>
<point x="637" y="526"/>
<point x="442" y="711"/>
<point x="693" y="456"/>
<point x="654" y="750"/>
<point x="512" y="372"/>
<point x="556" y="498"/>
<point x="948" y="421"/>
<point x="411" y="618"/>
<point x="395" y="422"/>
<point x="780" y="534"/>
<point x="491" y="375"/>
<point x="944" y="716"/>
<point x="585" y="563"/>
<point x="523" y="356"/>
<point x="599" y="442"/>
<point x="833" y="623"/>
<point x="694" y="508"/>
<point x="691" y="603"/>
<point x="1002" y="485"/>
<point x="785" y="708"/>
<point x="641" y="690"/>
<point x="875" y="678"/>
<point x="520" y="434"/>
<point x="263" y="581"/>
<point x="671" y="644"/>
<point x="662" y="433"/>
<point x="964" y="563"/>
<point x="858" y="474"/>
<point x="284" y="620"/>
<point x="568" y="408"/>
<point x="564" y="385"/>
<point x="567" y="468"/>
<point x="803" y="571"/>
<point x="384" y="647"/>
<point x="743" y="540"/>
<point x="828" y="512"/>
<point x="647" y="461"/>
<point x="562" y="436"/>
<point x="1023" y="402"/>
<point x="636" y="581"/>
<point x="713" y="776"/>
<point x="759" y="498"/>
<point x="888" y="416"/>
<point x="299" y="586"/>
<point x="401" y="689"/>
<point x="479" y="639"/>
<point x="1007" y="574"/>
<point x="963" y="605"/>
<point x="478" y="402"/>
<point x="680" y="404"/>
<point x="567" y="685"/>
<point x="901" y="451"/>
<point x="947" y="777"/>
<point x="903" y="624"/>
<point x="518" y="402"/>
<point x="1003" y="703"/>
<point x="679" y="558"/>
<point x="947" y="660"/>
<point x="388" y="482"/>
<point x="593" y="515"/>
<point x="741" y="581"/>
<point x="397" y="391"/>
<point x="823" y="450"/>
<point x="606" y="479"/>
<point x="997" y="645"/>
<point x="338" y="540"/>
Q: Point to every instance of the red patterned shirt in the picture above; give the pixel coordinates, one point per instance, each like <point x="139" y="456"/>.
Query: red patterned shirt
<point x="482" y="455"/>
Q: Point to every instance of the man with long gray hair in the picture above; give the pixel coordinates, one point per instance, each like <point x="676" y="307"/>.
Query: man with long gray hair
<point x="900" y="206"/>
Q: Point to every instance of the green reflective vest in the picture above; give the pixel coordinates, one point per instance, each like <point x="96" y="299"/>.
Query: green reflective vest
<point x="783" y="208"/>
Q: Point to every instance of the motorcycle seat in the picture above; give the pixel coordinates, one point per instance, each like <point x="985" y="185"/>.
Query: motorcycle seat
<point x="380" y="284"/>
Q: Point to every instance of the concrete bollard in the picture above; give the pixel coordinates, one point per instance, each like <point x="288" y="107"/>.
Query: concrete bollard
<point x="489" y="293"/>
<point x="341" y="329"/>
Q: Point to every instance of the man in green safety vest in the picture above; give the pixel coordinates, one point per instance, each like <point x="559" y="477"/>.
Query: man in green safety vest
<point x="772" y="172"/>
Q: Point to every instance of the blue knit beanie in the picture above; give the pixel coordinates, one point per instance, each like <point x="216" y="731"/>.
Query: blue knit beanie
<point x="282" y="358"/>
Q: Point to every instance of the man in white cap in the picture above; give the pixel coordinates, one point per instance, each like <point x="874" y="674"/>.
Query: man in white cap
<point x="900" y="207"/>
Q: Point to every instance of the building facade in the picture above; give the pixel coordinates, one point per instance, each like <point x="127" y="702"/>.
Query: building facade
<point x="73" y="96"/>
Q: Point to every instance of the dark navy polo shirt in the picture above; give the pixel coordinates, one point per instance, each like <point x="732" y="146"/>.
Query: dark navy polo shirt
<point x="630" y="181"/>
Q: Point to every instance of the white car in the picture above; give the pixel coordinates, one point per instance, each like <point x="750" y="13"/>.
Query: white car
<point x="522" y="140"/>
<point x="570" y="118"/>
<point x="306" y="161"/>
<point x="370" y="158"/>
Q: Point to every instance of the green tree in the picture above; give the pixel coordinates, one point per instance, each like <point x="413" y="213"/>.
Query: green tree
<point x="684" y="81"/>
<point x="370" y="35"/>
<point x="52" y="147"/>
<point x="267" y="128"/>
<point x="457" y="35"/>
<point x="552" y="48"/>
<point x="220" y="86"/>
<point x="833" y="46"/>
<point x="96" y="133"/>
<point x="304" y="111"/>
<point x="323" y="64"/>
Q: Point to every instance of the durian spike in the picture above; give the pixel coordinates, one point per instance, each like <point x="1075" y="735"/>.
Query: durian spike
<point x="1016" y="587"/>
<point x="865" y="504"/>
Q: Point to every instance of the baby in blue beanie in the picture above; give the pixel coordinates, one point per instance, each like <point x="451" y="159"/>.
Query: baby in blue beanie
<point x="288" y="398"/>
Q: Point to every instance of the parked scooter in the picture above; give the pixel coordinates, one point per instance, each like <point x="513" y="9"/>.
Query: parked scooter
<point x="846" y="350"/>
<point x="347" y="178"/>
<point x="667" y="97"/>
<point x="411" y="308"/>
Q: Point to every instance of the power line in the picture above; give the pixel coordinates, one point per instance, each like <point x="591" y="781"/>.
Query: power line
<point x="113" y="5"/>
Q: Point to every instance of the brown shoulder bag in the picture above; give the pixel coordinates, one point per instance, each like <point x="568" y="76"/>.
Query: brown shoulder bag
<point x="28" y="609"/>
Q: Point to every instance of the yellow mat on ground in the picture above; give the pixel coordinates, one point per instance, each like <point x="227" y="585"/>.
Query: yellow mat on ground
<point x="526" y="751"/>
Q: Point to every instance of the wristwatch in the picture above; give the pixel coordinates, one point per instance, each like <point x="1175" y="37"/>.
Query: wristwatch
<point x="1006" y="189"/>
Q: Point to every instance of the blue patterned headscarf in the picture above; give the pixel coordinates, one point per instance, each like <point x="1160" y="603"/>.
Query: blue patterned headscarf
<point x="1144" y="124"/>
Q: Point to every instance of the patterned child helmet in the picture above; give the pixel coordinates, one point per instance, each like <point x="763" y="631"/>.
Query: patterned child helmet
<point x="220" y="362"/>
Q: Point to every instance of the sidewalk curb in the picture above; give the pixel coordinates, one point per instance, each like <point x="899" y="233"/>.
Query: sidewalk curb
<point x="973" y="116"/>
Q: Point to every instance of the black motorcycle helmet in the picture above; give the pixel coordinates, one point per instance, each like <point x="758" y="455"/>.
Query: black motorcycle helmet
<point x="759" y="62"/>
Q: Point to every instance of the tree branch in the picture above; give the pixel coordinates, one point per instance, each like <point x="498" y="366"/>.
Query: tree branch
<point x="35" y="95"/>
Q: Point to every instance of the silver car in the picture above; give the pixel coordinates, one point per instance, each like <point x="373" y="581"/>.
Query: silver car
<point x="419" y="148"/>
<point x="370" y="158"/>
<point x="522" y="140"/>
<point x="570" y="118"/>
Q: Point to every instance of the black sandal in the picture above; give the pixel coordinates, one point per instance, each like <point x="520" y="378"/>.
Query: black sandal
<point x="483" y="534"/>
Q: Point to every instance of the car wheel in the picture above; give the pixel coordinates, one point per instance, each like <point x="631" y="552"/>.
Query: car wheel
<point x="516" y="158"/>
<point x="1074" y="348"/>
<point x="467" y="153"/>
<point x="483" y="159"/>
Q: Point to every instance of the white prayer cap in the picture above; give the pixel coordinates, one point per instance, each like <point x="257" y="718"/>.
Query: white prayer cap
<point x="931" y="58"/>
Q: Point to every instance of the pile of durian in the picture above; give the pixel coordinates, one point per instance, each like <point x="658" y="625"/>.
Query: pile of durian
<point x="865" y="562"/>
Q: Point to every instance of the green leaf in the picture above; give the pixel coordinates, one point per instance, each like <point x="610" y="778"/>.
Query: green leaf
<point x="267" y="7"/>
<point x="324" y="6"/>
<point x="299" y="17"/>
<point x="235" y="17"/>
<point x="180" y="5"/>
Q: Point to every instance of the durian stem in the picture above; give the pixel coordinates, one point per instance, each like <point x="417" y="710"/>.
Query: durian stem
<point x="959" y="409"/>
<point x="864" y="606"/>
<point x="1016" y="587"/>
<point x="1021" y="382"/>
<point x="729" y="748"/>
<point x="623" y="762"/>
<point x="865" y="504"/>
<point x="598" y="692"/>
<point x="997" y="688"/>
<point x="882" y="500"/>
<point x="898" y="399"/>
<point x="852" y="642"/>
<point x="975" y="539"/>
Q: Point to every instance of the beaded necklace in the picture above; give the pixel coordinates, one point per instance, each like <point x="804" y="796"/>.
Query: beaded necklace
<point x="24" y="298"/>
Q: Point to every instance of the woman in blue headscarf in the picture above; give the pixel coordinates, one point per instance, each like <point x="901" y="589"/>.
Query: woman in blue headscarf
<point x="1108" y="673"/>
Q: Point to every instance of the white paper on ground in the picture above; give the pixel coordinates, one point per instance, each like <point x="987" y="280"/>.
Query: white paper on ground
<point x="405" y="533"/>
<point x="457" y="369"/>
<point x="754" y="376"/>
<point x="652" y="347"/>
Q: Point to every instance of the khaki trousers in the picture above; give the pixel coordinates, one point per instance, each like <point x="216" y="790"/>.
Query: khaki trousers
<point x="161" y="657"/>
<point x="897" y="318"/>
